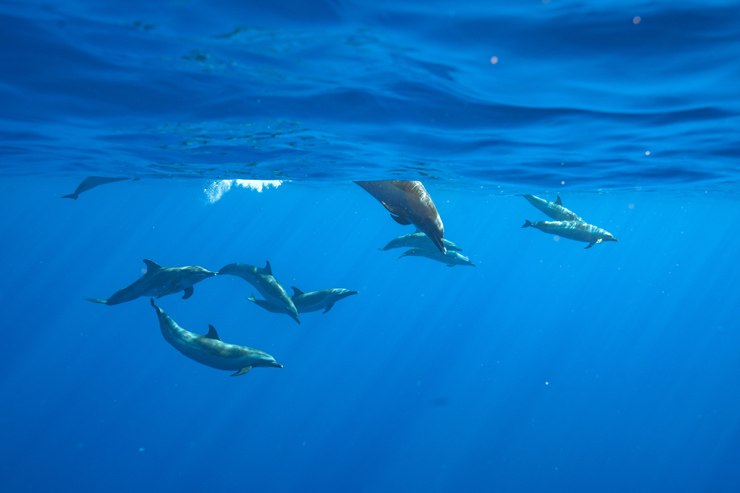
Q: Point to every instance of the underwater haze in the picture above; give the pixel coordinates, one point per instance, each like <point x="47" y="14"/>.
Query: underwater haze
<point x="238" y="129"/>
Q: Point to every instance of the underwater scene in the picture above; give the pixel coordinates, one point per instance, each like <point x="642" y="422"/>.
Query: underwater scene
<point x="347" y="246"/>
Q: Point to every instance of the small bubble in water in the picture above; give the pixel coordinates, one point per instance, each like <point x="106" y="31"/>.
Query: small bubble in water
<point x="141" y="449"/>
<point x="494" y="60"/>
<point x="636" y="20"/>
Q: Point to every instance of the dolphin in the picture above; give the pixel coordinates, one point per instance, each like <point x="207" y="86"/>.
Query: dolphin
<point x="409" y="203"/>
<point x="317" y="300"/>
<point x="418" y="240"/>
<point x="450" y="258"/>
<point x="92" y="182"/>
<point x="210" y="350"/>
<point x="159" y="281"/>
<point x="573" y="230"/>
<point x="264" y="282"/>
<point x="554" y="210"/>
<point x="274" y="308"/>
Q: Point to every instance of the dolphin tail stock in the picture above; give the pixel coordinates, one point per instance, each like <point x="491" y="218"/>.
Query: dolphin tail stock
<point x="527" y="223"/>
<point x="95" y="300"/>
<point x="72" y="196"/>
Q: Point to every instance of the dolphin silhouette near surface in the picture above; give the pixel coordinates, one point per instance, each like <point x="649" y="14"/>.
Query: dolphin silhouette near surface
<point x="92" y="182"/>
<point x="409" y="203"/>
<point x="554" y="210"/>
<point x="265" y="283"/>
<point x="210" y="350"/>
<point x="573" y="230"/>
<point x="159" y="281"/>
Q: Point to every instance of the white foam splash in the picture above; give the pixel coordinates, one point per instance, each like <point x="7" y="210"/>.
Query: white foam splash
<point x="218" y="188"/>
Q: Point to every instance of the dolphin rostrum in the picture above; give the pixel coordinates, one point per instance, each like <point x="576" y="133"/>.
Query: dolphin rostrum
<point x="409" y="203"/>
<point x="418" y="240"/>
<point x="573" y="230"/>
<point x="210" y="350"/>
<point x="264" y="282"/>
<point x="554" y="210"/>
<point x="92" y="182"/>
<point x="159" y="281"/>
<point x="450" y="258"/>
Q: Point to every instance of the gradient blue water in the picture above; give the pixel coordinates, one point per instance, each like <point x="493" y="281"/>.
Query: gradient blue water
<point x="546" y="367"/>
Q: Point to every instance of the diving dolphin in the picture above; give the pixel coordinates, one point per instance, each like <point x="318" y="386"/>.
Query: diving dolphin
<point x="264" y="282"/>
<point x="450" y="258"/>
<point x="573" y="230"/>
<point x="159" y="281"/>
<point x="409" y="203"/>
<point x="318" y="300"/>
<point x="418" y="240"/>
<point x="273" y="308"/>
<point x="554" y="210"/>
<point x="210" y="350"/>
<point x="92" y="182"/>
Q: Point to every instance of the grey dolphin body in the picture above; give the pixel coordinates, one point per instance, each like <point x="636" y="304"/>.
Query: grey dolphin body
<point x="554" y="210"/>
<point x="418" y="240"/>
<point x="308" y="302"/>
<point x="210" y="350"/>
<point x="450" y="258"/>
<point x="573" y="230"/>
<point x="409" y="203"/>
<point x="318" y="300"/>
<point x="92" y="182"/>
<point x="264" y="282"/>
<point x="159" y="281"/>
<point x="274" y="308"/>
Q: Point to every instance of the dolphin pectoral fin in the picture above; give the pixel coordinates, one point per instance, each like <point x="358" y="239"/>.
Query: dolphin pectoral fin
<point x="558" y="202"/>
<point x="95" y="300"/>
<point x="599" y="240"/>
<point x="590" y="245"/>
<point x="212" y="334"/>
<point x="188" y="293"/>
<point x="328" y="308"/>
<point x="72" y="196"/>
<point x="242" y="371"/>
<point x="401" y="220"/>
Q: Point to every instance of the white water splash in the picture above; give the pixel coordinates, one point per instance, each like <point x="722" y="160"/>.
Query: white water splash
<point x="217" y="189"/>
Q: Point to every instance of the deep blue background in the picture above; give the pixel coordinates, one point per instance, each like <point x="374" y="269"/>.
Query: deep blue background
<point x="546" y="367"/>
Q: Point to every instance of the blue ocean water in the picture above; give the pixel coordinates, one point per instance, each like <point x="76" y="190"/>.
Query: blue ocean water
<point x="546" y="367"/>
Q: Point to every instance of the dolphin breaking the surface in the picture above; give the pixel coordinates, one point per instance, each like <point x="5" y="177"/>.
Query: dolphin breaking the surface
<point x="409" y="203"/>
<point x="573" y="230"/>
<point x="159" y="281"/>
<point x="264" y="282"/>
<point x="210" y="350"/>
<point x="92" y="182"/>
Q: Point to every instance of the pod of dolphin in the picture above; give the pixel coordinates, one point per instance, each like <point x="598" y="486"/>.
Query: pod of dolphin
<point x="408" y="203"/>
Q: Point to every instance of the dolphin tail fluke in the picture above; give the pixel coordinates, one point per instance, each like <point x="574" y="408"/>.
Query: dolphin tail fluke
<point x="72" y="196"/>
<point x="527" y="223"/>
<point x="95" y="300"/>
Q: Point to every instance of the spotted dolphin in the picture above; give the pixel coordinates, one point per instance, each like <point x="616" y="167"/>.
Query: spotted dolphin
<point x="450" y="258"/>
<point x="92" y="182"/>
<point x="264" y="282"/>
<point x="554" y="210"/>
<point x="409" y="203"/>
<point x="274" y="308"/>
<point x="210" y="350"/>
<point x="418" y="240"/>
<point x="319" y="300"/>
<point x="159" y="281"/>
<point x="573" y="230"/>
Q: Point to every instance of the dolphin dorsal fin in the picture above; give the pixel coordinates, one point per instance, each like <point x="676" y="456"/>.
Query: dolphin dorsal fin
<point x="151" y="266"/>
<point x="558" y="201"/>
<point x="268" y="269"/>
<point x="297" y="292"/>
<point x="212" y="334"/>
